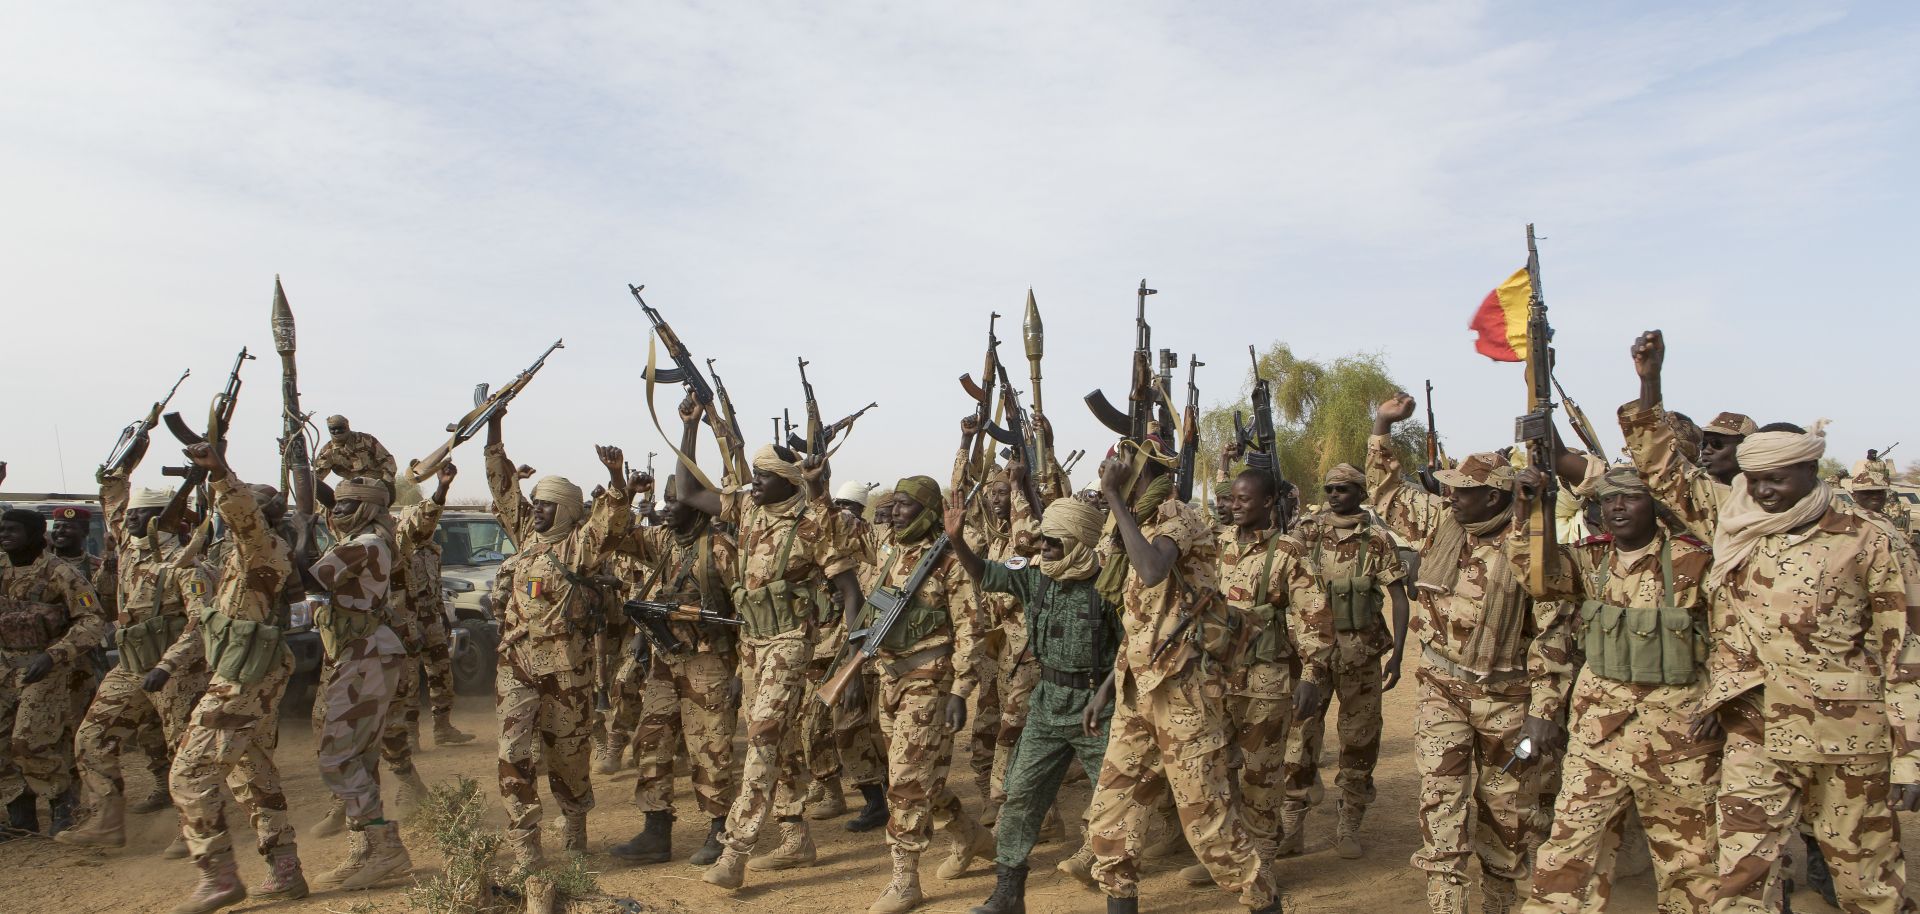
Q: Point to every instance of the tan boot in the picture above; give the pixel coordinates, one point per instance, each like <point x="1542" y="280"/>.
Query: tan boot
<point x="1051" y="828"/>
<point x="1346" y="839"/>
<point x="335" y="821"/>
<point x="1498" y="895"/>
<point x="1196" y="875"/>
<point x="446" y="734"/>
<point x="1170" y="842"/>
<point x="966" y="844"/>
<point x="1445" y="896"/>
<point x="573" y="832"/>
<point x="827" y="800"/>
<point x="1293" y="829"/>
<point x="175" y="849"/>
<point x="903" y="893"/>
<point x="1079" y="866"/>
<point x="285" y="881"/>
<point x="107" y="827"/>
<point x="156" y="799"/>
<point x="386" y="858"/>
<point x="606" y="758"/>
<point x="412" y="794"/>
<point x="795" y="850"/>
<point x="359" y="848"/>
<point x="527" y="855"/>
<point x="219" y="886"/>
<point x="729" y="872"/>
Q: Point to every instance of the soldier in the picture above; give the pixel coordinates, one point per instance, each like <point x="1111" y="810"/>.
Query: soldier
<point x="349" y="454"/>
<point x="422" y="555"/>
<point x="544" y="687"/>
<point x="50" y="621"/>
<point x="1693" y="492"/>
<point x="67" y="540"/>
<point x="692" y="686"/>
<point x="235" y="725"/>
<point x="1170" y="730"/>
<point x="1496" y="664"/>
<point x="846" y="740"/>
<point x="157" y="598"/>
<point x="1813" y="681"/>
<point x="1872" y="496"/>
<point x="368" y="662"/>
<point x="1072" y="635"/>
<point x="790" y="561"/>
<point x="927" y="673"/>
<point x="1629" y="753"/>
<point x="1360" y="571"/>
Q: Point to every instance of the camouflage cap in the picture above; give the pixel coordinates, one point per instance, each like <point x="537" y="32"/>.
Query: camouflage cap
<point x="1869" y="479"/>
<point x="1479" y="470"/>
<point x="1730" y="424"/>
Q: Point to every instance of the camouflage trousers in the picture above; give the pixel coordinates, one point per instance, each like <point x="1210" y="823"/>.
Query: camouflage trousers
<point x="774" y="775"/>
<point x="1763" y="800"/>
<point x="1463" y="732"/>
<point x="1038" y="764"/>
<point x="438" y="658"/>
<point x="37" y="721"/>
<point x="402" y="716"/>
<point x="543" y="719"/>
<point x="358" y="701"/>
<point x="686" y="699"/>
<point x="611" y="658"/>
<point x="984" y="716"/>
<point x="1573" y="870"/>
<point x="231" y="740"/>
<point x="1013" y="682"/>
<point x="1356" y="686"/>
<point x="1175" y="739"/>
<point x="1260" y="711"/>
<point x="120" y="712"/>
<point x="628" y="701"/>
<point x="913" y="711"/>
<point x="846" y="743"/>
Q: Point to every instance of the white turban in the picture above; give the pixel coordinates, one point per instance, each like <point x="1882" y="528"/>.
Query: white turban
<point x="1773" y="450"/>
<point x="1743" y="522"/>
<point x="149" y="498"/>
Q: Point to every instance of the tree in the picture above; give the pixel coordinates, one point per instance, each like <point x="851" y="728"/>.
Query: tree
<point x="1831" y="468"/>
<point x="1323" y="413"/>
<point x="1909" y="476"/>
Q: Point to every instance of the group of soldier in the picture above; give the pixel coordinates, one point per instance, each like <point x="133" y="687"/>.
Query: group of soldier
<point x="1727" y="661"/>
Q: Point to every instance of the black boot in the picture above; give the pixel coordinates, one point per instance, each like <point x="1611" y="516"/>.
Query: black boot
<point x="60" y="813"/>
<point x="1819" y="878"/>
<point x="654" y="843"/>
<point x="1123" y="905"/>
<point x="710" y="851"/>
<point x="874" y="814"/>
<point x="1273" y="907"/>
<point x="1009" y="891"/>
<point x="23" y="817"/>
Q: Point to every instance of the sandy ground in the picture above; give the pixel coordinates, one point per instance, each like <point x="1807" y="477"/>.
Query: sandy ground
<point x="37" y="875"/>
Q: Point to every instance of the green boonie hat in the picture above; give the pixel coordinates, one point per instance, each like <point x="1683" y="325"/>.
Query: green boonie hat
<point x="1731" y="424"/>
<point x="1479" y="470"/>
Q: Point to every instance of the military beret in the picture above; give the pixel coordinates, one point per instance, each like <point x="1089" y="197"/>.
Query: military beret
<point x="72" y="512"/>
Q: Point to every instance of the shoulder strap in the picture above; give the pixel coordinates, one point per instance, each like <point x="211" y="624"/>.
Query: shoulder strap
<point x="1666" y="571"/>
<point x="786" y="546"/>
<point x="1266" y="569"/>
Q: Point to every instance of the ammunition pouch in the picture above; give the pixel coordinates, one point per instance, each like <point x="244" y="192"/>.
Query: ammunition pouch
<point x="27" y="625"/>
<point x="775" y="609"/>
<point x="142" y="644"/>
<point x="341" y="627"/>
<point x="1226" y="633"/>
<point x="1645" y="645"/>
<point x="1355" y="603"/>
<point x="1271" y="644"/>
<point x="238" y="650"/>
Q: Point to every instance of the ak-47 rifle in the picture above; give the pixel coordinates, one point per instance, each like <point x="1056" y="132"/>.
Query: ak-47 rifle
<point x="819" y="434"/>
<point x="219" y="417"/>
<point x="1163" y="401"/>
<point x="1888" y="450"/>
<point x="1017" y="433"/>
<point x="484" y="407"/>
<point x="1436" y="455"/>
<point x="982" y="392"/>
<point x="684" y="371"/>
<point x="884" y="607"/>
<point x="652" y="616"/>
<point x="1577" y="418"/>
<point x="735" y="447"/>
<point x="296" y="461"/>
<point x="1190" y="431"/>
<point x="846" y="422"/>
<point x="1533" y="432"/>
<point x="1258" y="441"/>
<point x="1140" y="400"/>
<point x="134" y="438"/>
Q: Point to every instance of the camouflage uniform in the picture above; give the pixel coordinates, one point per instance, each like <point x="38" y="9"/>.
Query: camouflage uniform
<point x="1628" y="752"/>
<point x="1003" y="630"/>
<point x="543" y="690"/>
<point x="1814" y="670"/>
<point x="150" y="584"/>
<point x="1334" y="552"/>
<point x="1469" y="720"/>
<point x="1270" y="571"/>
<point x="366" y="673"/>
<point x="36" y="717"/>
<point x="360" y="454"/>
<point x="1682" y="485"/>
<point x="425" y="605"/>
<point x="1170" y="731"/>
<point x="235" y="726"/>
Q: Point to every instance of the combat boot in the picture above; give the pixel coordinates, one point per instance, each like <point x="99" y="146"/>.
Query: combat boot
<point x="359" y="848"/>
<point x="1196" y="875"/>
<point x="386" y="858"/>
<point x="903" y="893"/>
<point x="1009" y="892"/>
<point x="412" y="794"/>
<point x="573" y="832"/>
<point x="177" y="848"/>
<point x="1123" y="905"/>
<point x="1293" y="829"/>
<point x="710" y="850"/>
<point x="653" y="844"/>
<point x="1272" y="907"/>
<point x="965" y="843"/>
<point x="218" y="887"/>
<point x="285" y="881"/>
<point x="334" y="822"/>
<point x="527" y="855"/>
<point x="60" y="813"/>
<point x="160" y="797"/>
<point x="1498" y="894"/>
<point x="795" y="850"/>
<point x="830" y="801"/>
<point x="1170" y="842"/>
<point x="107" y="827"/>
<point x="1080" y="866"/>
<point x="1346" y="839"/>
<point x="445" y="733"/>
<point x="606" y="756"/>
<point x="728" y="872"/>
<point x="874" y="814"/>
<point x="1819" y="875"/>
<point x="23" y="817"/>
<point x="1444" y="895"/>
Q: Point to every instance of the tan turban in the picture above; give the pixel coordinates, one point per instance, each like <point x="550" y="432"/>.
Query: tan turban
<point x="1346" y="473"/>
<point x="768" y="460"/>
<point x="567" y="500"/>
<point x="149" y="498"/>
<point x="1743" y="522"/>
<point x="370" y="498"/>
<point x="1077" y="526"/>
<point x="1773" y="450"/>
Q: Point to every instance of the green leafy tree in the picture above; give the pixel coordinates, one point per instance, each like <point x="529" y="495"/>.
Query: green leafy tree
<point x="1323" y="413"/>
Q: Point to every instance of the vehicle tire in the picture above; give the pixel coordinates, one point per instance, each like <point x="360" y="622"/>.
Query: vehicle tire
<point x="473" y="668"/>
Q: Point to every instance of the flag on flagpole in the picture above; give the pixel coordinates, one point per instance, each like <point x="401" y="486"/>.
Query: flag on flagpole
<point x="1500" y="323"/>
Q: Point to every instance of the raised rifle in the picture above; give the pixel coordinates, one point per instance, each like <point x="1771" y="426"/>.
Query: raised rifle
<point x="296" y="461"/>
<point x="134" y="438"/>
<point x="846" y="422"/>
<point x="1163" y="395"/>
<point x="818" y="435"/>
<point x="1018" y="433"/>
<point x="1577" y="418"/>
<point x="735" y="447"/>
<point x="1073" y="460"/>
<point x="887" y="605"/>
<point x="1190" y="431"/>
<point x="1888" y="450"/>
<point x="1139" y="414"/>
<point x="1533" y="432"/>
<point x="1436" y="456"/>
<point x="219" y="417"/>
<point x="982" y="393"/>
<point x="1258" y="442"/>
<point x="485" y="405"/>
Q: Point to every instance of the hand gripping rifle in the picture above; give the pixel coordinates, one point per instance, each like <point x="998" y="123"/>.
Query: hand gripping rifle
<point x="1258" y="441"/>
<point x="1018" y="433"/>
<point x="134" y="438"/>
<point x="1190" y="431"/>
<point x="817" y="437"/>
<point x="1436" y="455"/>
<point x="296" y="461"/>
<point x="484" y="407"/>
<point x="982" y="392"/>
<point x="219" y="417"/>
<point x="888" y="604"/>
<point x="735" y="447"/>
<point x="1134" y="422"/>
<point x="1533" y="432"/>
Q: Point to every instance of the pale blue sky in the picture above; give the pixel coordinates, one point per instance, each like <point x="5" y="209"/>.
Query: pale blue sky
<point x="447" y="187"/>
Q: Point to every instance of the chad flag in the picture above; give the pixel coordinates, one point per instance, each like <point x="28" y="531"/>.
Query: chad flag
<point x="1500" y="323"/>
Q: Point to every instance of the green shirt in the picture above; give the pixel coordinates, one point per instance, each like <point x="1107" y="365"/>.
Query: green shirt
<point x="1063" y="618"/>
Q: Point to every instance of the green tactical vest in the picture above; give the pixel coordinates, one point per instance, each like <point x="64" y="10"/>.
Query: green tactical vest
<point x="918" y="621"/>
<point x="1355" y="601"/>
<point x="778" y="607"/>
<point x="238" y="650"/>
<point x="1645" y="645"/>
<point x="1271" y="645"/>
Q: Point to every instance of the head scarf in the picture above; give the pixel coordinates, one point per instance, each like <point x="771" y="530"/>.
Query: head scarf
<point x="1076" y="525"/>
<point x="370" y="500"/>
<point x="1346" y="474"/>
<point x="768" y="460"/>
<point x="924" y="490"/>
<point x="568" y="506"/>
<point x="1223" y="488"/>
<point x="149" y="498"/>
<point x="1743" y="523"/>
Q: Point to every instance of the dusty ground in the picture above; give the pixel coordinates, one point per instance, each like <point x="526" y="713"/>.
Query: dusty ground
<point x="39" y="876"/>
